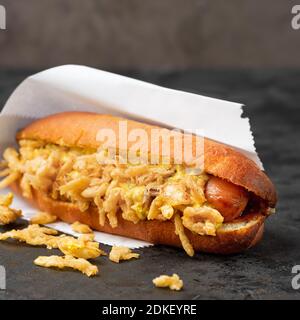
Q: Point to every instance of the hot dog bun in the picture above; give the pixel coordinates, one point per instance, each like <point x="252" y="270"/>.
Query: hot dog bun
<point x="233" y="237"/>
<point x="79" y="129"/>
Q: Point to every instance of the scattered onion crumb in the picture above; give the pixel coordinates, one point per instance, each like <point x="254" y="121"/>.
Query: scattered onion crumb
<point x="173" y="282"/>
<point x="34" y="235"/>
<point x="121" y="253"/>
<point x="43" y="218"/>
<point x="7" y="214"/>
<point x="79" y="248"/>
<point x="67" y="262"/>
<point x="81" y="228"/>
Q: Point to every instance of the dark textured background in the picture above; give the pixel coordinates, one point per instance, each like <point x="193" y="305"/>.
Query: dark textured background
<point x="147" y="34"/>
<point x="264" y="272"/>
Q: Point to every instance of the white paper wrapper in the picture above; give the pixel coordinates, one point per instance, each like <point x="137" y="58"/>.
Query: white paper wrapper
<point x="79" y="88"/>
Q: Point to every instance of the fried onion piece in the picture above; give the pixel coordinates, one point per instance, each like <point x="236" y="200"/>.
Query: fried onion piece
<point x="7" y="214"/>
<point x="3" y="164"/>
<point x="88" y="237"/>
<point x="43" y="218"/>
<point x="167" y="211"/>
<point x="79" y="248"/>
<point x="67" y="262"/>
<point x="11" y="157"/>
<point x="9" y="179"/>
<point x="102" y="213"/>
<point x="5" y="172"/>
<point x="111" y="205"/>
<point x="154" y="210"/>
<point x="179" y="230"/>
<point x="173" y="282"/>
<point x="6" y="200"/>
<point x="121" y="253"/>
<point x="34" y="235"/>
<point x="81" y="228"/>
<point x="203" y="220"/>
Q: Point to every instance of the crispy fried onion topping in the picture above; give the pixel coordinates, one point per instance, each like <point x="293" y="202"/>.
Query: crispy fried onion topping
<point x="43" y="218"/>
<point x="83" y="247"/>
<point x="121" y="253"/>
<point x="172" y="282"/>
<point x="76" y="251"/>
<point x="34" y="235"/>
<point x="67" y="262"/>
<point x="7" y="214"/>
<point x="81" y="228"/>
<point x="203" y="220"/>
<point x="179" y="230"/>
<point x="80" y="248"/>
<point x="135" y="192"/>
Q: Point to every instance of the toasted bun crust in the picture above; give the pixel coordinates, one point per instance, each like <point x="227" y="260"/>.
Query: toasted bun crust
<point x="232" y="237"/>
<point x="80" y="129"/>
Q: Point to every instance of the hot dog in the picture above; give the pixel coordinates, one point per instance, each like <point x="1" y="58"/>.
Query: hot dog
<point x="229" y="199"/>
<point x="57" y="169"/>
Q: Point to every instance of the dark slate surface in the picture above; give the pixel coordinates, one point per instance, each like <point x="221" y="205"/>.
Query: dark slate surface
<point x="264" y="272"/>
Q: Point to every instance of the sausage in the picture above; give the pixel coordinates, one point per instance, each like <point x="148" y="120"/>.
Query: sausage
<point x="229" y="199"/>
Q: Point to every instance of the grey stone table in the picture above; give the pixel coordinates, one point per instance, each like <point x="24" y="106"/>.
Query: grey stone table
<point x="264" y="272"/>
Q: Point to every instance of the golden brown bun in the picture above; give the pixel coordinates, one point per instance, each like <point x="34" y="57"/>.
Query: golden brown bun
<point x="232" y="237"/>
<point x="80" y="129"/>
